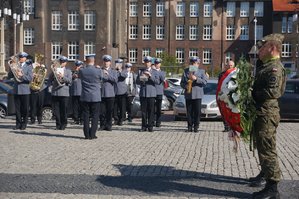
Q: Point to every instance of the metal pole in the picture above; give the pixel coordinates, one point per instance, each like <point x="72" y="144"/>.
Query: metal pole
<point x="2" y="64"/>
<point x="255" y="50"/>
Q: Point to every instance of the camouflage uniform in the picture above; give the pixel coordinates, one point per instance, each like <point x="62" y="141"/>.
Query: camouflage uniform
<point x="268" y="86"/>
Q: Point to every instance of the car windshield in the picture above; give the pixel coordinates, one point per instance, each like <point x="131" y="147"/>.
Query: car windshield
<point x="209" y="89"/>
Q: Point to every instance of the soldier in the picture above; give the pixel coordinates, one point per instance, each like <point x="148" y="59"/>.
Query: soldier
<point x="108" y="94"/>
<point x="147" y="78"/>
<point x="91" y="96"/>
<point x="269" y="85"/>
<point x="131" y="90"/>
<point x="22" y="76"/>
<point x="120" y="91"/>
<point x="160" y="90"/>
<point x="61" y="82"/>
<point x="76" y="89"/>
<point x="193" y="80"/>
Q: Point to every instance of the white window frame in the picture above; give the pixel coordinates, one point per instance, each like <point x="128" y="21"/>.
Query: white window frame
<point x="193" y="52"/>
<point x="290" y="24"/>
<point x="180" y="9"/>
<point x="286" y="49"/>
<point x="208" y="9"/>
<point x="259" y="9"/>
<point x="147" y="9"/>
<point x="207" y="32"/>
<point x="146" y="33"/>
<point x="160" y="32"/>
<point x="133" y="31"/>
<point x="73" y="20"/>
<point x="193" y="32"/>
<point x="180" y="55"/>
<point x="194" y="9"/>
<point x="230" y="32"/>
<point x="207" y="56"/>
<point x="244" y="9"/>
<point x="56" y="20"/>
<point x="133" y="9"/>
<point x="146" y="52"/>
<point x="284" y="24"/>
<point x="244" y="32"/>
<point x="228" y="56"/>
<point x="28" y="36"/>
<point x="133" y="53"/>
<point x="160" y="9"/>
<point x="73" y="50"/>
<point x="230" y="9"/>
<point x="259" y="32"/>
<point x="89" y="48"/>
<point x="29" y="6"/>
<point x="56" y="48"/>
<point x="89" y="20"/>
<point x="180" y="32"/>
<point x="159" y="52"/>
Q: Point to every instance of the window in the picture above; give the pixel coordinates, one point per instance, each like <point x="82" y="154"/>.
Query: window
<point x="160" y="9"/>
<point x="133" y="55"/>
<point x="146" y="52"/>
<point x="147" y="9"/>
<point x="193" y="32"/>
<point x="160" y="32"/>
<point x="180" y="55"/>
<point x="194" y="9"/>
<point x="244" y="32"/>
<point x="56" y="49"/>
<point x="207" y="9"/>
<point x="259" y="32"/>
<point x="290" y="24"/>
<point x="207" y="56"/>
<point x="228" y="56"/>
<point x="28" y="36"/>
<point x="159" y="52"/>
<point x="73" y="20"/>
<point x="133" y="9"/>
<point x="89" y="48"/>
<point x="193" y="52"/>
<point x="73" y="50"/>
<point x="284" y="25"/>
<point x="258" y="9"/>
<point x="230" y="32"/>
<point x="286" y="50"/>
<point x="297" y="50"/>
<point x="180" y="32"/>
<point x="89" y="20"/>
<point x="146" y="32"/>
<point x="207" y="32"/>
<point x="56" y="20"/>
<point x="180" y="9"/>
<point x="133" y="34"/>
<point x="244" y="9"/>
<point x="230" y="9"/>
<point x="29" y="6"/>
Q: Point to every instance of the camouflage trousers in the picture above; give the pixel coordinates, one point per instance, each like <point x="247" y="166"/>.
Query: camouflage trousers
<point x="265" y="137"/>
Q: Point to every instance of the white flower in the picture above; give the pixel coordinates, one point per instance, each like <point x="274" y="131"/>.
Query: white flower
<point x="235" y="97"/>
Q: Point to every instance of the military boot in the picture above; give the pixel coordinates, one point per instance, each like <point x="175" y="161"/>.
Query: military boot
<point x="269" y="192"/>
<point x="257" y="181"/>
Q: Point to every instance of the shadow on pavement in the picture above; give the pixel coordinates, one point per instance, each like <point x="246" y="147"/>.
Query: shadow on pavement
<point x="45" y="134"/>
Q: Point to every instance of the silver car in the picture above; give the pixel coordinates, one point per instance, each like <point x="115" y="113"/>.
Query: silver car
<point x="209" y="107"/>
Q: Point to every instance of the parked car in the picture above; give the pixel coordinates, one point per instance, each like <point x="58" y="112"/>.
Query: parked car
<point x="209" y="107"/>
<point x="5" y="90"/>
<point x="289" y="102"/>
<point x="175" y="81"/>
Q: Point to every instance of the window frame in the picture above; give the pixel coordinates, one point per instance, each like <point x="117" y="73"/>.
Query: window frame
<point x="258" y="9"/>
<point x="193" y="52"/>
<point x="244" y="32"/>
<point x="207" y="56"/>
<point x="230" y="9"/>
<point x="133" y="9"/>
<point x="244" y="9"/>
<point x="230" y="32"/>
<point x="207" y="32"/>
<point x="180" y="32"/>
<point x="146" y="32"/>
<point x="29" y="6"/>
<point x="73" y="50"/>
<point x="194" y="9"/>
<point x="56" y="20"/>
<point x="208" y="9"/>
<point x="133" y="32"/>
<point x="28" y="36"/>
<point x="193" y="32"/>
<point x="180" y="55"/>
<point x="89" y="20"/>
<point x="160" y="9"/>
<point x="286" y="50"/>
<point x="180" y="9"/>
<point x="147" y="9"/>
<point x="133" y="59"/>
<point x="73" y="20"/>
<point x="89" y="48"/>
<point x="160" y="32"/>
<point x="55" y="47"/>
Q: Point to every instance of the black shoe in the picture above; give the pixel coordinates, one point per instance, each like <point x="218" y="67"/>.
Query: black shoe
<point x="269" y="192"/>
<point x="108" y="128"/>
<point x="151" y="129"/>
<point x="189" y="129"/>
<point x="101" y="128"/>
<point x="77" y="122"/>
<point x="17" y="127"/>
<point x="143" y="129"/>
<point x="196" y="130"/>
<point x="258" y="183"/>
<point x="120" y="123"/>
<point x="94" y="137"/>
<point x="39" y="122"/>
<point x="23" y="126"/>
<point x="158" y="124"/>
<point x="256" y="178"/>
<point x="32" y="122"/>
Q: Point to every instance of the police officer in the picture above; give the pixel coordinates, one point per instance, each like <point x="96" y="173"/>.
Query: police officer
<point x="76" y="90"/>
<point x="120" y="93"/>
<point x="90" y="77"/>
<point x="108" y="93"/>
<point x="131" y="90"/>
<point x="160" y="90"/>
<point x="61" y="92"/>
<point x="147" y="78"/>
<point x="22" y="77"/>
<point x="193" y="80"/>
<point x="269" y="85"/>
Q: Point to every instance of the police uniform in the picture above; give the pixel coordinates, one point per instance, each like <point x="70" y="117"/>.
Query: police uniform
<point x="76" y="89"/>
<point x="108" y="95"/>
<point x="60" y="95"/>
<point x="131" y="91"/>
<point x="160" y="92"/>
<point x="90" y="77"/>
<point x="269" y="85"/>
<point x="147" y="94"/>
<point x="21" y="92"/>
<point x="193" y="99"/>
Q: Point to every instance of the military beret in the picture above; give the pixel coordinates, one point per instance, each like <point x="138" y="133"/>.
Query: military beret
<point x="107" y="58"/>
<point x="119" y="61"/>
<point x="63" y="59"/>
<point x="23" y="54"/>
<point x="194" y="59"/>
<point x="272" y="37"/>
<point x="147" y="59"/>
<point x="158" y="61"/>
<point x="78" y="63"/>
<point x="128" y="65"/>
<point x="90" y="56"/>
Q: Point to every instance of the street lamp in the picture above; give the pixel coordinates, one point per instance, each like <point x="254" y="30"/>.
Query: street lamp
<point x="255" y="50"/>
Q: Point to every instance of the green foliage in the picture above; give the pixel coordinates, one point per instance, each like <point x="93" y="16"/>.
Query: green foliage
<point x="170" y="65"/>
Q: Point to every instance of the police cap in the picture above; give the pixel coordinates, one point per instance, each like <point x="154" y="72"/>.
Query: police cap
<point x="128" y="65"/>
<point x="119" y="61"/>
<point x="147" y="59"/>
<point x="158" y="61"/>
<point x="78" y="63"/>
<point x="63" y="59"/>
<point x="90" y="56"/>
<point x="194" y="59"/>
<point x="23" y="54"/>
<point x="107" y="58"/>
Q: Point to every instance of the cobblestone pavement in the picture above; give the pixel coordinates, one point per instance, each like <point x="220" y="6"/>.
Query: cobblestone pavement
<point x="41" y="162"/>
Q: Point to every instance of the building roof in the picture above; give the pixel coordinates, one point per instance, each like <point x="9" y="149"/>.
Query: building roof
<point x="285" y="5"/>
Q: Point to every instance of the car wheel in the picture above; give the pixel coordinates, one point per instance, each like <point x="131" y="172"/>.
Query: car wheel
<point x="2" y="112"/>
<point x="47" y="113"/>
<point x="171" y="101"/>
